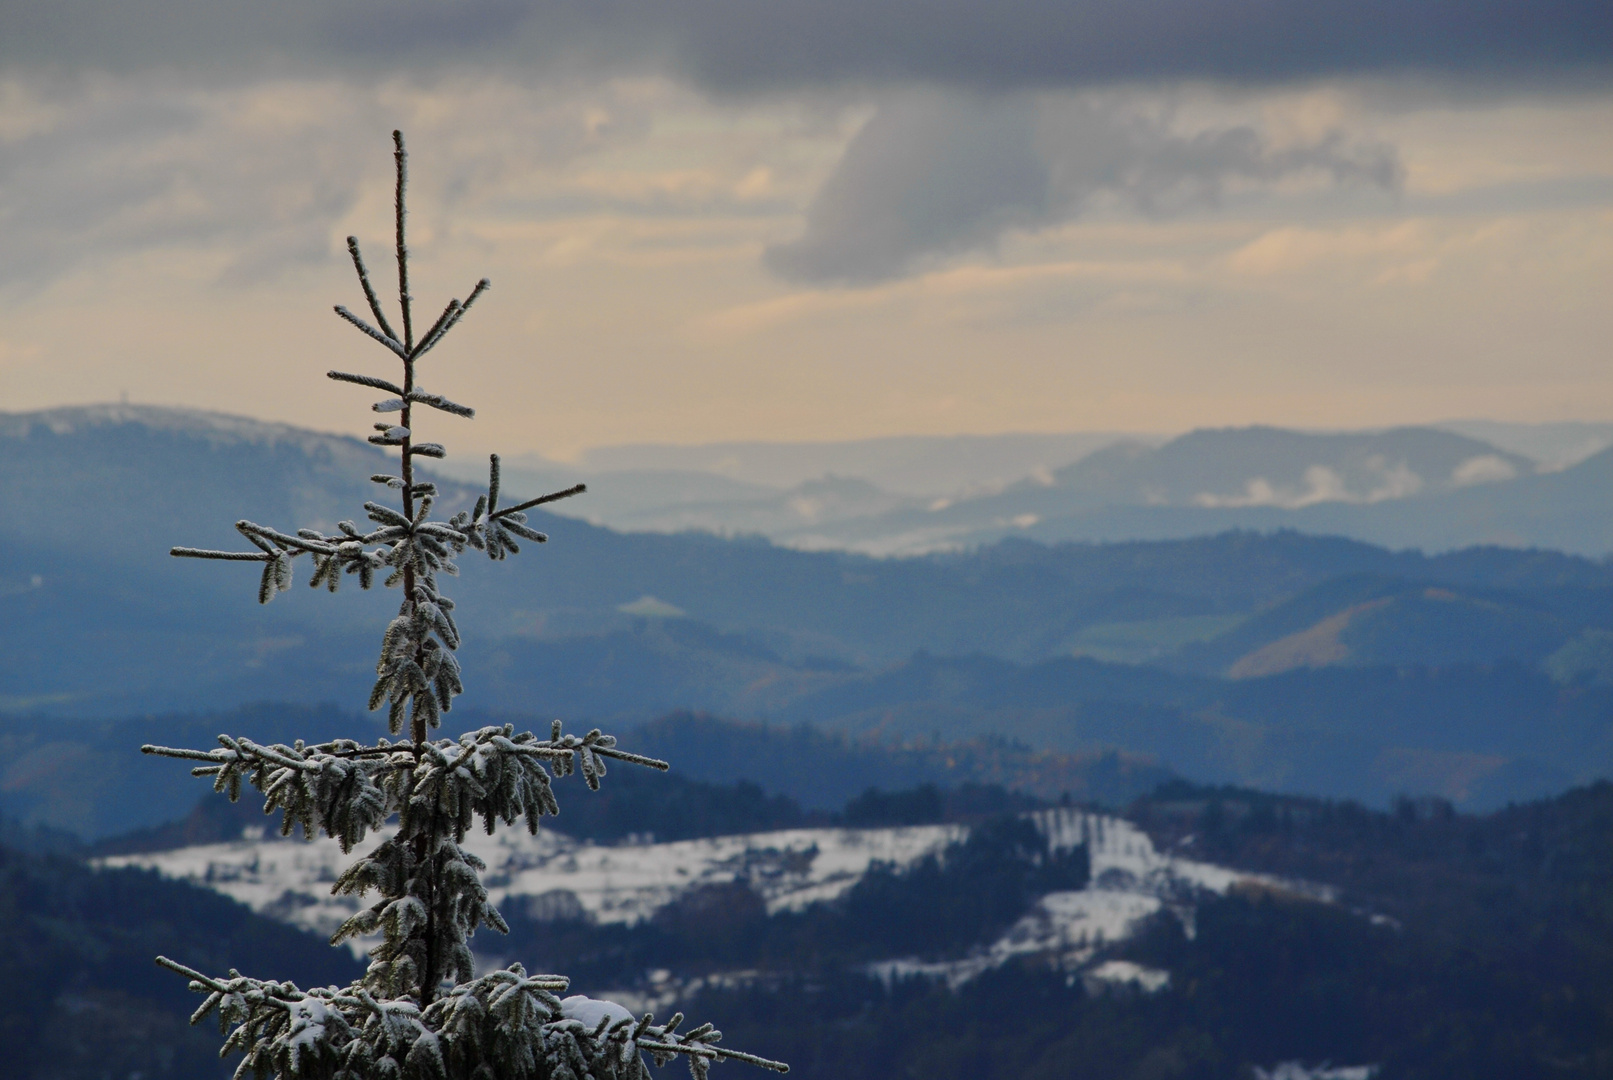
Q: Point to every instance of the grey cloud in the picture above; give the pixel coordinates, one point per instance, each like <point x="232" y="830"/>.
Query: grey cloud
<point x="933" y="175"/>
<point x="98" y="168"/>
<point x="131" y="173"/>
<point x="926" y="175"/>
<point x="742" y="44"/>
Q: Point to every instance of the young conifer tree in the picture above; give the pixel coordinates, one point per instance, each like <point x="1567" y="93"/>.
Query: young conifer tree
<point x="420" y="1012"/>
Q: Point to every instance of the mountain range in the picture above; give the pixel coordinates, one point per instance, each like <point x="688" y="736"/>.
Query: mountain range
<point x="1300" y="662"/>
<point x="970" y="710"/>
<point x="1435" y="488"/>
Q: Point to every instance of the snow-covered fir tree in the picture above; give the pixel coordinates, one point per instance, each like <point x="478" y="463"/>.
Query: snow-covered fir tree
<point x="420" y="1012"/>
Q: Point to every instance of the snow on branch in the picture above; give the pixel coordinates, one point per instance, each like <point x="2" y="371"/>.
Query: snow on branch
<point x="365" y="380"/>
<point x="507" y="1024"/>
<point x="575" y="489"/>
<point x="371" y="331"/>
<point x="346" y="789"/>
<point x="369" y="290"/>
<point x="231" y="556"/>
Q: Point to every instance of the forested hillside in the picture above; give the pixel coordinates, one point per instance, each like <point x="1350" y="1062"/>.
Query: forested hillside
<point x="1427" y="943"/>
<point x="84" y="1000"/>
<point x="1458" y="947"/>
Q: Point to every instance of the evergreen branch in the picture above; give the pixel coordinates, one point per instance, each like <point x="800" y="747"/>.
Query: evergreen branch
<point x="437" y="401"/>
<point x="401" y="156"/>
<point x="438" y="329"/>
<point x="481" y="287"/>
<point x="269" y="753"/>
<point x="552" y="751"/>
<point x="539" y="501"/>
<point x="337" y="750"/>
<point x="385" y="515"/>
<point x="369" y="291"/>
<point x="188" y="755"/>
<point x="366" y="380"/>
<point x="192" y="974"/>
<point x="370" y="330"/>
<point x="702" y="1050"/>
<point x="267" y="993"/>
<point x="319" y="546"/>
<point x="632" y="759"/>
<point x="227" y="556"/>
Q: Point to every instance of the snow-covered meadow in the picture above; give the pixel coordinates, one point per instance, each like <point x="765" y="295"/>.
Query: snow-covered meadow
<point x="551" y="875"/>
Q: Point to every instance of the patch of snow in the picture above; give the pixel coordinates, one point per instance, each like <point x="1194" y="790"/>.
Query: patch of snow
<point x="790" y="869"/>
<point x="1131" y="881"/>
<point x="1484" y="469"/>
<point x="591" y="1011"/>
<point x="1293" y="1070"/>
<point x="1069" y="927"/>
<point x="1322" y="485"/>
<point x="1124" y="859"/>
<point x="652" y="607"/>
<point x="553" y="876"/>
<point x="1079" y="922"/>
<point x="1124" y="977"/>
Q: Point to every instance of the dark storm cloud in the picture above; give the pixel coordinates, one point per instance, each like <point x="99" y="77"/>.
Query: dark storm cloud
<point x="931" y="175"/>
<point x="738" y="44"/>
<point x="961" y="151"/>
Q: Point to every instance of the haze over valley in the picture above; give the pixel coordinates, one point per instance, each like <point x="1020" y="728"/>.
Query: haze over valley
<point x="1254" y="651"/>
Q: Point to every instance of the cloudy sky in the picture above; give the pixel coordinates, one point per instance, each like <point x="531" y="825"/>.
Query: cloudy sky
<point x="817" y="219"/>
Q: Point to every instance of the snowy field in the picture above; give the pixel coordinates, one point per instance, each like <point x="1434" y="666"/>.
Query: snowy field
<point x="554" y="874"/>
<point x="1131" y="881"/>
<point x="551" y="875"/>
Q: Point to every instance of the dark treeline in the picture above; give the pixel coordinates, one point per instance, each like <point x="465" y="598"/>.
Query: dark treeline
<point x="84" y="1000"/>
<point x="1265" y="980"/>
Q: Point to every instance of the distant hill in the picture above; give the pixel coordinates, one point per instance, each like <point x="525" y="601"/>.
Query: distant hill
<point x="1436" y="488"/>
<point x="97" y="621"/>
<point x="1552" y="446"/>
<point x="1407" y="487"/>
<point x="1479" y="735"/>
<point x="1563" y="511"/>
<point x="918" y="466"/>
<point x="87" y="778"/>
<point x="1363" y="620"/>
<point x="1264" y="466"/>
